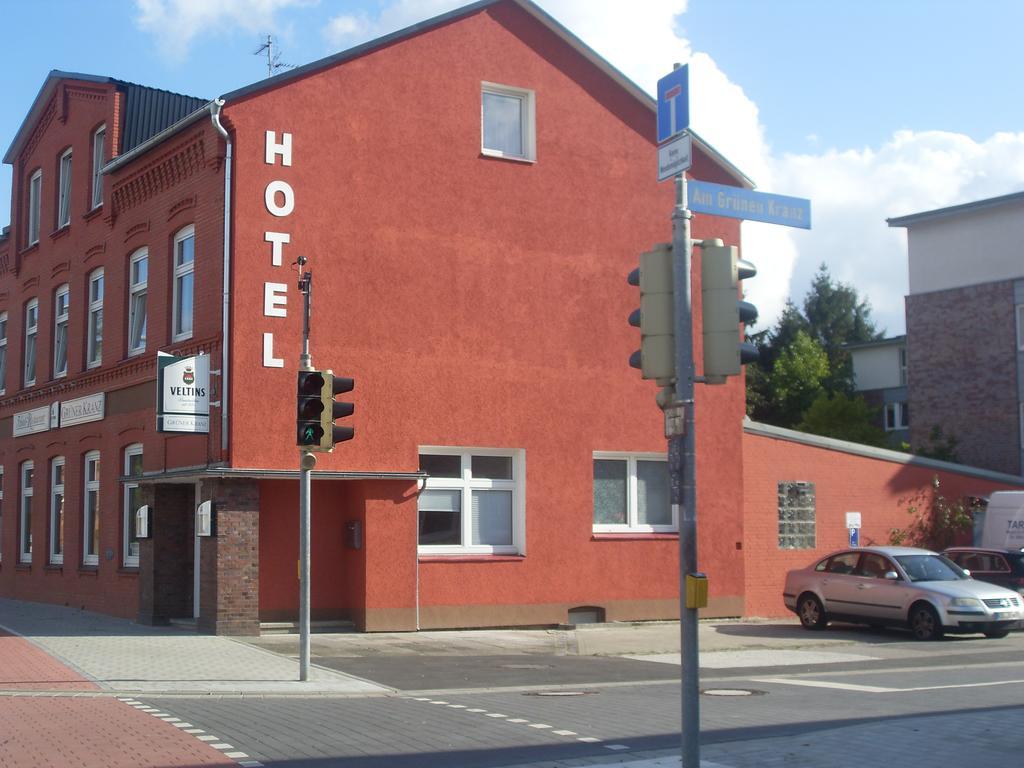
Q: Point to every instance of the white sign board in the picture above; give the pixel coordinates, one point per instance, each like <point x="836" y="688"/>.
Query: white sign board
<point x="675" y="157"/>
<point x="183" y="393"/>
<point x="82" y="409"/>
<point x="853" y="519"/>
<point x="30" y="422"/>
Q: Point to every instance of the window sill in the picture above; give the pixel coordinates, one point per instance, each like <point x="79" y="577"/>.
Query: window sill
<point x="88" y="570"/>
<point x="93" y="213"/>
<point x="29" y="248"/>
<point x="23" y="566"/>
<point x="54" y="568"/>
<point x="634" y="536"/>
<point x="485" y="153"/>
<point x="63" y="231"/>
<point x="130" y="570"/>
<point x="471" y="558"/>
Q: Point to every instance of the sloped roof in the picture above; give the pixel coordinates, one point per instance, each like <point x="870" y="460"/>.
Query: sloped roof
<point x="146" y="111"/>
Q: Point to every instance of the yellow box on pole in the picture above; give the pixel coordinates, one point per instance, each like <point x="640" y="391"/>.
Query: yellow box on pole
<point x="696" y="590"/>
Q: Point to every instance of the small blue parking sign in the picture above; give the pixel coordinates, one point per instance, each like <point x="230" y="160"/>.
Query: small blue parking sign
<point x="674" y="103"/>
<point x="854" y="537"/>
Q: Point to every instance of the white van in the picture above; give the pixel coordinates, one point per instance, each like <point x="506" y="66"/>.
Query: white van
<point x="1003" y="527"/>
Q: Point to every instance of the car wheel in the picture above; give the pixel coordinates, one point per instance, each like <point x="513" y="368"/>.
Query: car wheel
<point x="997" y="634"/>
<point x="811" y="612"/>
<point x="924" y="622"/>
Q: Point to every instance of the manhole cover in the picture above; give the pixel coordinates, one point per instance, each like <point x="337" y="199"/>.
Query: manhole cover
<point x="731" y="692"/>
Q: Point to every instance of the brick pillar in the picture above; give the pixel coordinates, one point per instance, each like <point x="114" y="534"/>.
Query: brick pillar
<point x="229" y="560"/>
<point x="166" y="559"/>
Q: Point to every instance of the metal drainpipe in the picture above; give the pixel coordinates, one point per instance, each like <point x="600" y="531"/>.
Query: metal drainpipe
<point x="215" y="107"/>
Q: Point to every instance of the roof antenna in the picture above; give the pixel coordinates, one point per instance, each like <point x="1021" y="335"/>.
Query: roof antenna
<point x="274" y="62"/>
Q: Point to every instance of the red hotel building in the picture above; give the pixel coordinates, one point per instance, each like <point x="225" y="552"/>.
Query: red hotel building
<point x="470" y="194"/>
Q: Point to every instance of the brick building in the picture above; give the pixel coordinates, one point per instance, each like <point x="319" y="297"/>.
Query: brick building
<point x="965" y="329"/>
<point x="468" y="273"/>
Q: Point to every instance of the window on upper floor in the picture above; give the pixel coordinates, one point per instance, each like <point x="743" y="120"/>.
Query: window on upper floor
<point x="138" y="271"/>
<point x="132" y="501"/>
<point x="60" y="331"/>
<point x="631" y="493"/>
<point x="897" y="416"/>
<point x="35" y="200"/>
<point x="64" y="191"/>
<point x="3" y="352"/>
<point x="903" y="366"/>
<point x="473" y="502"/>
<point x="57" y="511"/>
<point x="31" y="332"/>
<point x="99" y="139"/>
<point x="508" y="122"/>
<point x="94" y="327"/>
<point x="1020" y="327"/>
<point x="184" y="285"/>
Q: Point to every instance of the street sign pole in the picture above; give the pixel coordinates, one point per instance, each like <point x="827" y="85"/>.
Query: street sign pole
<point x="306" y="463"/>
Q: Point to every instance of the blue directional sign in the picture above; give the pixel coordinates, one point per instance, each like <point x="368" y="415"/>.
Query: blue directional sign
<point x="674" y="103"/>
<point x="737" y="203"/>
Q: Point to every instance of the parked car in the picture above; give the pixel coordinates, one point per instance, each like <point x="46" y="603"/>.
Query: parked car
<point x="1004" y="567"/>
<point x="900" y="586"/>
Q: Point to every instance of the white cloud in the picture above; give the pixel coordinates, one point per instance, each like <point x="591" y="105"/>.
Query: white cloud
<point x="175" y="23"/>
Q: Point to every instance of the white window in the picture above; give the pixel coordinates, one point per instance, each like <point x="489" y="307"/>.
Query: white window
<point x="138" y="270"/>
<point x="25" y="518"/>
<point x="35" y="199"/>
<point x="60" y="332"/>
<point x="184" y="269"/>
<point x="31" y="331"/>
<point x="631" y="493"/>
<point x="473" y="501"/>
<point x="91" y="510"/>
<point x="3" y="352"/>
<point x="64" y="196"/>
<point x="1" y="508"/>
<point x="98" y="142"/>
<point x="508" y="122"/>
<point x="1020" y="327"/>
<point x="897" y="416"/>
<point x="94" y="347"/>
<point x="903" y="366"/>
<point x="132" y="501"/>
<point x="57" y="511"/>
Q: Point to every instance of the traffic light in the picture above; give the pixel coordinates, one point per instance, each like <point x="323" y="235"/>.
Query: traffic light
<point x="317" y="410"/>
<point x="723" y="311"/>
<point x="656" y="316"/>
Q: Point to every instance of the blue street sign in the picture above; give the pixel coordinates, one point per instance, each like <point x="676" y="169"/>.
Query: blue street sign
<point x="854" y="537"/>
<point x="674" y="103"/>
<point x="737" y="203"/>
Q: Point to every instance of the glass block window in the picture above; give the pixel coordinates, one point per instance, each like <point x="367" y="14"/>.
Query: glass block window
<point x="796" y="515"/>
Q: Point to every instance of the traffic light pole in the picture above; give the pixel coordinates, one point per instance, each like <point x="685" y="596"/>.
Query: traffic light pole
<point x="679" y="429"/>
<point x="306" y="463"/>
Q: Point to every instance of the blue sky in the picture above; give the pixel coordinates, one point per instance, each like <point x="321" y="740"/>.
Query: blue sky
<point x="871" y="109"/>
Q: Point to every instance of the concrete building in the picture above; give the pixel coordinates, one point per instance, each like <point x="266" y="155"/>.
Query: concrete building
<point x="880" y="376"/>
<point x="965" y="328"/>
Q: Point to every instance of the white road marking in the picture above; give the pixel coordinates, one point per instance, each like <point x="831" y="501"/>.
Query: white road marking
<point x="879" y="689"/>
<point x="565" y="733"/>
<point x="539" y="725"/>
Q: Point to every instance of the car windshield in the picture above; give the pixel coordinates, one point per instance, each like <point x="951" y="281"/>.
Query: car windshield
<point x="930" y="568"/>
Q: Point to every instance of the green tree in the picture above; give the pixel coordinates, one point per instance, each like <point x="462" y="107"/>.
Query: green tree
<point x="844" y="418"/>
<point x="797" y="379"/>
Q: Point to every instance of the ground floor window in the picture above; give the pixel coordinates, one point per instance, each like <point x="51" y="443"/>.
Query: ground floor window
<point x="473" y="501"/>
<point x="57" y="511"/>
<point x="132" y="501"/>
<point x="25" y="518"/>
<point x="631" y="493"/>
<point x="91" y="510"/>
<point x="796" y="515"/>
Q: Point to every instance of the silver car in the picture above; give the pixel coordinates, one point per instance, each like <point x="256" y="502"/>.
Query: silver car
<point x="900" y="586"/>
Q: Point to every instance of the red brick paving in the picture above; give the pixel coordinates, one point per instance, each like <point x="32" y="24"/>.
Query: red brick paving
<point x="68" y="731"/>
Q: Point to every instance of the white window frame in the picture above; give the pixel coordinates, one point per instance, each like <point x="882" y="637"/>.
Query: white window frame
<point x="632" y="524"/>
<point x="527" y="120"/>
<point x="35" y="202"/>
<point x="90" y="520"/>
<point x="94" y="324"/>
<point x="58" y="466"/>
<point x="902" y="355"/>
<point x="137" y="294"/>
<point x="25" y="512"/>
<point x="64" y="190"/>
<point x="181" y="270"/>
<point x="1" y="510"/>
<point x="3" y="352"/>
<point x="466" y="485"/>
<point x="99" y="138"/>
<point x="31" y="342"/>
<point x="899" y="412"/>
<point x="1020" y="327"/>
<point x="128" y="514"/>
<point x="61" y="301"/>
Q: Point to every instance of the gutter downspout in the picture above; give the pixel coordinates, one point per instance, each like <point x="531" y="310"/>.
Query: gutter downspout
<point x="215" y="107"/>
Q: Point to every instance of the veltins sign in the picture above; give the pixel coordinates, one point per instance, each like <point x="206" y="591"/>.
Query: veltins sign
<point x="183" y="393"/>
